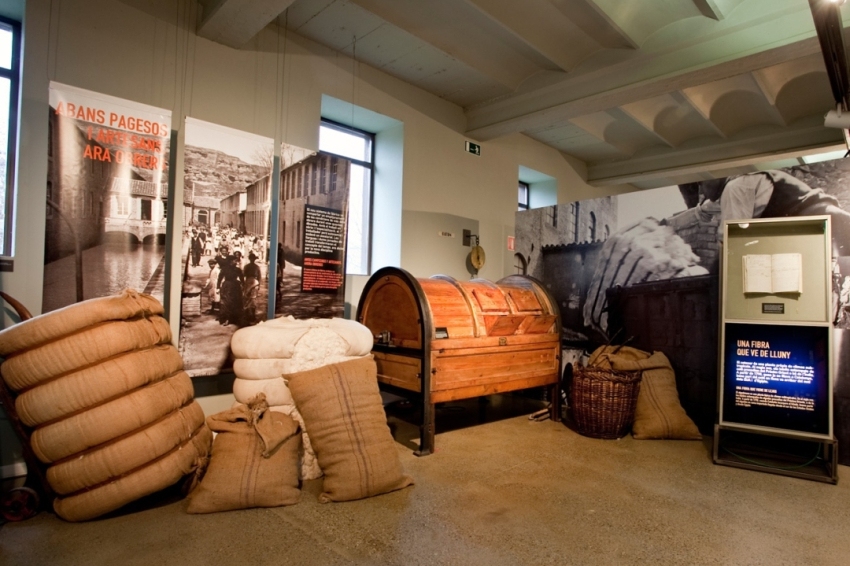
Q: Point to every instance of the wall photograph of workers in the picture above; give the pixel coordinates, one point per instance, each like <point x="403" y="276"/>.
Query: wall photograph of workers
<point x="225" y="234"/>
<point x="107" y="197"/>
<point x="669" y="238"/>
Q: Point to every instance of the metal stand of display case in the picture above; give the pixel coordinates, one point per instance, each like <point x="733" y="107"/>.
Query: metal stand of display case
<point x="775" y="406"/>
<point x="788" y="456"/>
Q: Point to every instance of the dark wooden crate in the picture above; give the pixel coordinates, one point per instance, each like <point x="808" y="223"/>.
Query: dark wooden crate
<point x="680" y="318"/>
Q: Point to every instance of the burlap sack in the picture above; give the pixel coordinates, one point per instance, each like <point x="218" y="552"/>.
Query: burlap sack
<point x="603" y="355"/>
<point x="310" y="469"/>
<point x="150" y="478"/>
<point x="89" y="346"/>
<point x="658" y="414"/>
<point x="56" y="324"/>
<point x="113" y="419"/>
<point x="254" y="462"/>
<point x="342" y="408"/>
<point x="275" y="390"/>
<point x="279" y="337"/>
<point x="95" y="384"/>
<point x="112" y="460"/>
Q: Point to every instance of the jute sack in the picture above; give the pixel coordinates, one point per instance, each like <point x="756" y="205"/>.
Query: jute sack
<point x="342" y="408"/>
<point x="310" y="469"/>
<point x="278" y="338"/>
<point x="95" y="384"/>
<point x="89" y="346"/>
<point x="658" y="414"/>
<point x="254" y="461"/>
<point x="113" y="419"/>
<point x="275" y="390"/>
<point x="150" y="478"/>
<point x="93" y="467"/>
<point x="56" y="324"/>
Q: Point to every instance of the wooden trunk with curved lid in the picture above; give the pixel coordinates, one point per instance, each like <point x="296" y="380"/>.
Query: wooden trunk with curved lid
<point x="446" y="340"/>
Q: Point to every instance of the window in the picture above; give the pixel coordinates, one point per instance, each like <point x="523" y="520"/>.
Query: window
<point x="523" y="196"/>
<point x="147" y="211"/>
<point x="552" y="213"/>
<point x="122" y="206"/>
<point x="574" y="220"/>
<point x="10" y="50"/>
<point x="357" y="147"/>
<point x="592" y="227"/>
<point x="520" y="265"/>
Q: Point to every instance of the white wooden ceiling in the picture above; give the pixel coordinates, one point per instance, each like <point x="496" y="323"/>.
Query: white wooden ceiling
<point x="648" y="92"/>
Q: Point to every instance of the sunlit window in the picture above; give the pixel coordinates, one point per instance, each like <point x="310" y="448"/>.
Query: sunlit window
<point x="10" y="40"/>
<point x="523" y="196"/>
<point x="357" y="146"/>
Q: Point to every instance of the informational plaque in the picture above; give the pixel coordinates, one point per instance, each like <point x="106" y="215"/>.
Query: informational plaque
<point x="324" y="250"/>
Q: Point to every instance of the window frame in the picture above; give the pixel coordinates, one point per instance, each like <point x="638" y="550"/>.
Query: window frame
<point x="13" y="74"/>
<point x="370" y="165"/>
<point x="520" y="204"/>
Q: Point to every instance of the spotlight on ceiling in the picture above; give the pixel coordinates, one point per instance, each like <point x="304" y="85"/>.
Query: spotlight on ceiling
<point x="837" y="2"/>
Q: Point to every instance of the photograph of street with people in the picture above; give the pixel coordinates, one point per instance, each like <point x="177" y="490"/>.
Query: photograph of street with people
<point x="225" y="235"/>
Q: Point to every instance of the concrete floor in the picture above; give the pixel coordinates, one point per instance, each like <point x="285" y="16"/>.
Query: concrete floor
<point x="508" y="491"/>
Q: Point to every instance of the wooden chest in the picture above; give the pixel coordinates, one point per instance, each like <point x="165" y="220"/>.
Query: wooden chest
<point x="446" y="340"/>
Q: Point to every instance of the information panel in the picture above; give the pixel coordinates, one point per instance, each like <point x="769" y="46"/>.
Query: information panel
<point x="777" y="376"/>
<point x="324" y="249"/>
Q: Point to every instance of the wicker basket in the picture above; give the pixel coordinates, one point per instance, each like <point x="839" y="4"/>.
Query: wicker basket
<point x="603" y="401"/>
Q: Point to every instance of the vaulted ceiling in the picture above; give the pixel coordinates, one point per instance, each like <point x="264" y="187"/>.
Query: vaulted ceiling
<point x="648" y="92"/>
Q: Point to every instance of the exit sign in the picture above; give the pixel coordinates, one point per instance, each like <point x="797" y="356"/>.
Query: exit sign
<point x="473" y="148"/>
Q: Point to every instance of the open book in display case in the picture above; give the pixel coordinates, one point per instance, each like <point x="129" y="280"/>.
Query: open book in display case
<point x="775" y="387"/>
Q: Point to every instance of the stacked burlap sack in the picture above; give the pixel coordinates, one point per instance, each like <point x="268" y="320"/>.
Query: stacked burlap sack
<point x="254" y="460"/>
<point x="113" y="413"/>
<point x="270" y="350"/>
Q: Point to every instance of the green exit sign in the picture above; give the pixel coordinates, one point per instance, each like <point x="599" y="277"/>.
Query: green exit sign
<point x="473" y="148"/>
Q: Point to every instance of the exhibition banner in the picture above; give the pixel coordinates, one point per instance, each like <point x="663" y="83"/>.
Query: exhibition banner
<point x="107" y="197"/>
<point x="312" y="237"/>
<point x="225" y="234"/>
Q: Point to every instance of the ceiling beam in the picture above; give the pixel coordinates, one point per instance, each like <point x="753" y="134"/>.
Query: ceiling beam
<point x="709" y="9"/>
<point x="783" y="143"/>
<point x="595" y="23"/>
<point x="486" y="47"/>
<point x="543" y="28"/>
<point x="641" y="90"/>
<point x="235" y="22"/>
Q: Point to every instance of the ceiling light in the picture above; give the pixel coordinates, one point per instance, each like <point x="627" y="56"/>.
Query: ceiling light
<point x="837" y="2"/>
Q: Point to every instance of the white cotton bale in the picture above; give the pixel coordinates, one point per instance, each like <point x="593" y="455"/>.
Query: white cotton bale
<point x="245" y="368"/>
<point x="280" y="338"/>
<point x="272" y="368"/>
<point x="275" y="390"/>
<point x="268" y="339"/>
